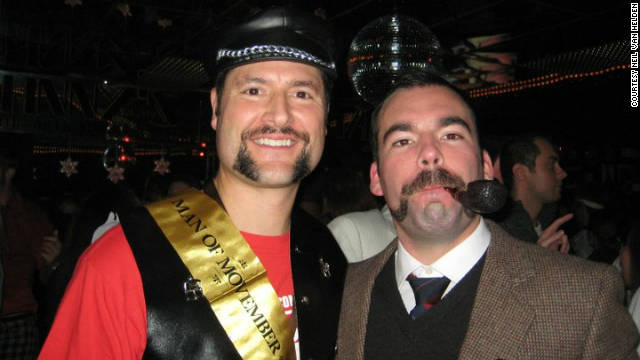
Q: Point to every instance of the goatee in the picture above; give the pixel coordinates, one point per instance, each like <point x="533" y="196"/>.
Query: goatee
<point x="246" y="166"/>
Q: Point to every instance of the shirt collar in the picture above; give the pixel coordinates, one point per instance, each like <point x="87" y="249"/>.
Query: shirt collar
<point x="455" y="264"/>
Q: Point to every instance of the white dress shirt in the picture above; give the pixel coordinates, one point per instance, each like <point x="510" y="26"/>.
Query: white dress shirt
<point x="363" y="234"/>
<point x="112" y="220"/>
<point x="455" y="264"/>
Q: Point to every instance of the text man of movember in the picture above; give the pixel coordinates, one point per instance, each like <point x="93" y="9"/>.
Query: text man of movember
<point x="185" y="277"/>
<point x="499" y="298"/>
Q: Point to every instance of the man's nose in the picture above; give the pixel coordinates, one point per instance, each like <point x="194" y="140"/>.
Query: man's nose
<point x="560" y="173"/>
<point x="279" y="111"/>
<point x="430" y="155"/>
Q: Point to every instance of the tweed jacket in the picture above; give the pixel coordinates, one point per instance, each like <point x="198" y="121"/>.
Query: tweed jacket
<point x="531" y="303"/>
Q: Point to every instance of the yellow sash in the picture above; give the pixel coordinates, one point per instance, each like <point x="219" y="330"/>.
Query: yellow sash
<point x="230" y="275"/>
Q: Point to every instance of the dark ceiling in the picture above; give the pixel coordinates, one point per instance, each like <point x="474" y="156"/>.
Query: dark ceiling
<point x="67" y="70"/>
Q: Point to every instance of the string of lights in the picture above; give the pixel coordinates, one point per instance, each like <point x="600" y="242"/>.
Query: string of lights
<point x="53" y="150"/>
<point x="539" y="81"/>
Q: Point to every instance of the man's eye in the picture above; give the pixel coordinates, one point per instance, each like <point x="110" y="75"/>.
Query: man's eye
<point x="302" y="94"/>
<point x="452" y="136"/>
<point x="401" y="142"/>
<point x="252" y="91"/>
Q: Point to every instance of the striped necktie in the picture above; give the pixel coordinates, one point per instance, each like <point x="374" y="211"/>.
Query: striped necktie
<point x="427" y="291"/>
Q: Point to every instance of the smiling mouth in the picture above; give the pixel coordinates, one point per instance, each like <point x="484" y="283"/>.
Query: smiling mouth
<point x="274" y="142"/>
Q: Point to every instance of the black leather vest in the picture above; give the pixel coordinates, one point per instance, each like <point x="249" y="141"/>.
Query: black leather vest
<point x="181" y="329"/>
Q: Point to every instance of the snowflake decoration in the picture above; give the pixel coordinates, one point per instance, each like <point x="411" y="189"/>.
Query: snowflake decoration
<point x="165" y="23"/>
<point x="162" y="166"/>
<point x="73" y="3"/>
<point x="68" y="167"/>
<point x="116" y="173"/>
<point x="125" y="9"/>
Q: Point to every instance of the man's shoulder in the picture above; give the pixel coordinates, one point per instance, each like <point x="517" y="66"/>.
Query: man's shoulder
<point x="372" y="266"/>
<point x="310" y="236"/>
<point x="528" y="258"/>
<point x="112" y="247"/>
<point x="514" y="219"/>
<point x="304" y="223"/>
<point x="366" y="226"/>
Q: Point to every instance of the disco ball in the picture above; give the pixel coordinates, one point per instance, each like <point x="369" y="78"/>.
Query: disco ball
<point x="386" y="48"/>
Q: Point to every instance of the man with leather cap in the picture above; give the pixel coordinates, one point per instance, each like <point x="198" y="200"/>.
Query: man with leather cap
<point x="230" y="272"/>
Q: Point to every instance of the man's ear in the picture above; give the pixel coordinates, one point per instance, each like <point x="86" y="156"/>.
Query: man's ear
<point x="520" y="172"/>
<point x="487" y="165"/>
<point x="214" y="108"/>
<point x="374" y="185"/>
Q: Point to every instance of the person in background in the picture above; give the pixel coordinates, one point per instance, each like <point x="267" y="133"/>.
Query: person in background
<point x="29" y="245"/>
<point x="531" y="170"/>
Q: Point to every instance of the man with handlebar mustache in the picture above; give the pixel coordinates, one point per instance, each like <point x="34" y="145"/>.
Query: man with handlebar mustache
<point x="454" y="285"/>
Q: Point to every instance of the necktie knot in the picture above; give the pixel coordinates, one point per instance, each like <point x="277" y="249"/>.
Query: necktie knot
<point x="427" y="291"/>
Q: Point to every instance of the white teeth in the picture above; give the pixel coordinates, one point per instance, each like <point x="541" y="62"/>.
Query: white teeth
<point x="271" y="142"/>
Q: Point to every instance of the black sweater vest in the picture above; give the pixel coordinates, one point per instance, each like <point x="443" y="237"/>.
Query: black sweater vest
<point x="392" y="334"/>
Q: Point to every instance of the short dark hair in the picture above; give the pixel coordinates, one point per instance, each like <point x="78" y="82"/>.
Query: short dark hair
<point x="222" y="76"/>
<point x="406" y="81"/>
<point x="521" y="149"/>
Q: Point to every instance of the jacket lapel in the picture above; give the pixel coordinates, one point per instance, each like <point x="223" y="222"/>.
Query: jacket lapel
<point x="356" y="302"/>
<point x="501" y="315"/>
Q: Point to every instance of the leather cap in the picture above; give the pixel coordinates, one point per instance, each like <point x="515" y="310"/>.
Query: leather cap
<point x="279" y="33"/>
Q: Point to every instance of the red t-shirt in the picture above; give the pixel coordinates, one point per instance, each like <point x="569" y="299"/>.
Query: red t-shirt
<point x="273" y="252"/>
<point x="103" y="312"/>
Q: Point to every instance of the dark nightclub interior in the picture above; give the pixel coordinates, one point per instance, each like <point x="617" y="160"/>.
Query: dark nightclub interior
<point x="70" y="70"/>
<point x="101" y="92"/>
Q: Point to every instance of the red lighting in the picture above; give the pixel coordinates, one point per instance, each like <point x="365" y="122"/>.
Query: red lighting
<point x="126" y="139"/>
<point x="203" y="144"/>
<point x="123" y="157"/>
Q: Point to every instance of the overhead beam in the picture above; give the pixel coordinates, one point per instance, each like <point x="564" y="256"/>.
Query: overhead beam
<point x="52" y="96"/>
<point x="83" y="99"/>
<point x="120" y="100"/>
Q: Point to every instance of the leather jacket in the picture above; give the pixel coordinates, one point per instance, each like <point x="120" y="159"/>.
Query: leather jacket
<point x="180" y="329"/>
